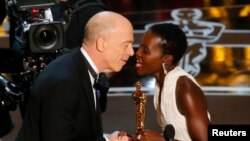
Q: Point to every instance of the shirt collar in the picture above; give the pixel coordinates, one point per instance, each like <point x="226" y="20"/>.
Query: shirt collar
<point x="85" y="54"/>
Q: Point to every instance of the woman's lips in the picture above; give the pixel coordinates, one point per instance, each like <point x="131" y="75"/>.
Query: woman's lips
<point x="138" y="63"/>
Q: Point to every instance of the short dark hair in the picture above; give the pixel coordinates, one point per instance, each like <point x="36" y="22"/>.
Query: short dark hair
<point x="174" y="41"/>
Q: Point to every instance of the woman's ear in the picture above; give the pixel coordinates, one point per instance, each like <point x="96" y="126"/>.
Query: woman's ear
<point x="167" y="59"/>
<point x="170" y="58"/>
<point x="100" y="44"/>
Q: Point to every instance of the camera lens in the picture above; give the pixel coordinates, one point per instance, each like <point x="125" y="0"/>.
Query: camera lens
<point x="46" y="37"/>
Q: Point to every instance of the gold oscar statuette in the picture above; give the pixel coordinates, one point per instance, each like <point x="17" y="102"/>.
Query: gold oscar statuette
<point x="140" y="99"/>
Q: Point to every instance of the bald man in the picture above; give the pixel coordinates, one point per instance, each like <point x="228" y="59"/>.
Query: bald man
<point x="63" y="105"/>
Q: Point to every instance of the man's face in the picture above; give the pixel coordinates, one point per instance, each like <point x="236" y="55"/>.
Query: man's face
<point x="149" y="55"/>
<point x="118" y="48"/>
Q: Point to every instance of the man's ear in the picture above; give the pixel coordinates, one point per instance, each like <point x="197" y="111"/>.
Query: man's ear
<point x="100" y="44"/>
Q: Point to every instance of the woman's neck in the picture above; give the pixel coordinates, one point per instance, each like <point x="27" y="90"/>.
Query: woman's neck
<point x="160" y="77"/>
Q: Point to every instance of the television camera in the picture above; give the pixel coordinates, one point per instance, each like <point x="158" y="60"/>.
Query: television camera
<point x="37" y="31"/>
<point x="38" y="40"/>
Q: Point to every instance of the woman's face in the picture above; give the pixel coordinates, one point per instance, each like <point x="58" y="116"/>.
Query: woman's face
<point x="149" y="55"/>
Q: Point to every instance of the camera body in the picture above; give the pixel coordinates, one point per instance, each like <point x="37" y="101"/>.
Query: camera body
<point x="38" y="41"/>
<point x="37" y="38"/>
<point x="36" y="31"/>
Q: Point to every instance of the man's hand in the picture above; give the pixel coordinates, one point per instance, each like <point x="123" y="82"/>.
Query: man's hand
<point x="119" y="136"/>
<point x="148" y="135"/>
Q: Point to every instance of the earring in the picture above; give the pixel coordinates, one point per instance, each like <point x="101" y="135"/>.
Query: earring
<point x="164" y="68"/>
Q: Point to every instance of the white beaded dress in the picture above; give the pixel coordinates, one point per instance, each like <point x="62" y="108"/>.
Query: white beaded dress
<point x="170" y="114"/>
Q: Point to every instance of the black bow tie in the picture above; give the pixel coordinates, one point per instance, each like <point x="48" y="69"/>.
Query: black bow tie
<point x="102" y="86"/>
<point x="102" y="83"/>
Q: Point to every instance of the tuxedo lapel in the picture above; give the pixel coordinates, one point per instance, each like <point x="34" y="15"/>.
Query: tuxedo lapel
<point x="86" y="84"/>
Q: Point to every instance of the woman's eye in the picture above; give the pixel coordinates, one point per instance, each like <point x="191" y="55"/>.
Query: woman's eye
<point x="145" y="50"/>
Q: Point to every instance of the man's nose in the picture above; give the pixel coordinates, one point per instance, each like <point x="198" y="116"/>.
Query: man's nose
<point x="131" y="51"/>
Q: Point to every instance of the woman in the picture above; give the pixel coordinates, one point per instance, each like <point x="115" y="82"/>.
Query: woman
<point x="178" y="99"/>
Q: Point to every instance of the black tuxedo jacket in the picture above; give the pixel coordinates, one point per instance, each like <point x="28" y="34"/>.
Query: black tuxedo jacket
<point x="61" y="106"/>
